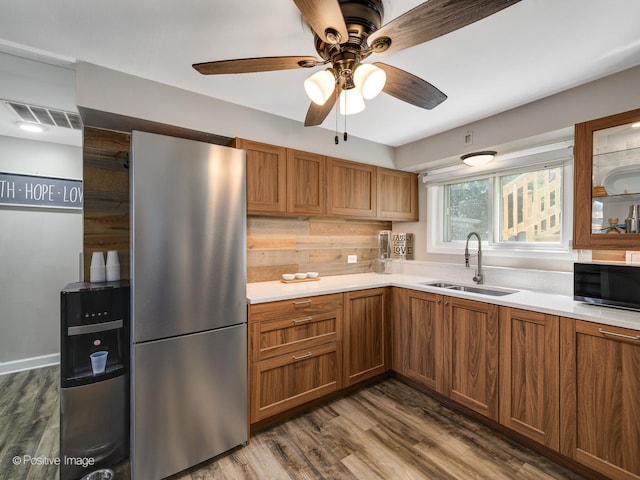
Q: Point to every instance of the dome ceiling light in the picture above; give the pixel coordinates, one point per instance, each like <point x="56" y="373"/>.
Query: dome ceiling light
<point x="476" y="159"/>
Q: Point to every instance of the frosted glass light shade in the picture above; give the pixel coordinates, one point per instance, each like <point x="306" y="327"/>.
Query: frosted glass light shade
<point x="369" y="79"/>
<point x="351" y="101"/>
<point x="477" y="159"/>
<point x="320" y="86"/>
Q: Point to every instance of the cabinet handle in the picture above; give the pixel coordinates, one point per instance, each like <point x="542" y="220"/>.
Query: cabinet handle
<point x="621" y="335"/>
<point x="302" y="320"/>
<point x="301" y="357"/>
<point x="302" y="302"/>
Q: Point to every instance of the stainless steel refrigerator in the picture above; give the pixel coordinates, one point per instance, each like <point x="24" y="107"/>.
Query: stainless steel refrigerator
<point x="188" y="303"/>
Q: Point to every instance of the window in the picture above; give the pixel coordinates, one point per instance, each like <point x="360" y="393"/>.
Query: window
<point x="522" y="228"/>
<point x="467" y="210"/>
<point x="519" y="209"/>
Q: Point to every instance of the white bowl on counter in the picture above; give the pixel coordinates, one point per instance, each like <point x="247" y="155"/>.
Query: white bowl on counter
<point x="313" y="274"/>
<point x="288" y="276"/>
<point x="301" y="276"/>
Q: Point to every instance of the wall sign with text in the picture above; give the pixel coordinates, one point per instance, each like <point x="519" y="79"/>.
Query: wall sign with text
<point x="34" y="191"/>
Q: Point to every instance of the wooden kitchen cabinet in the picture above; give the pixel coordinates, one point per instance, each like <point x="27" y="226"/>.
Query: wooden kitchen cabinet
<point x="529" y="374"/>
<point x="289" y="182"/>
<point x="418" y="325"/>
<point x="266" y="177"/>
<point x="365" y="335"/>
<point x="600" y="397"/>
<point x="606" y="181"/>
<point x="471" y="354"/>
<point x="397" y="195"/>
<point x="306" y="185"/>
<point x="295" y="349"/>
<point x="351" y="189"/>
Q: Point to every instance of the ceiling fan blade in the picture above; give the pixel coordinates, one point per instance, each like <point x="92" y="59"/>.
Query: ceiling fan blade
<point x="325" y="18"/>
<point x="317" y="113"/>
<point x="433" y="19"/>
<point x="248" y="65"/>
<point x="411" y="89"/>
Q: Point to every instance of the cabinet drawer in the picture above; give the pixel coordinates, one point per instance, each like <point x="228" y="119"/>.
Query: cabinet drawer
<point x="283" y="382"/>
<point x="297" y="307"/>
<point x="278" y="337"/>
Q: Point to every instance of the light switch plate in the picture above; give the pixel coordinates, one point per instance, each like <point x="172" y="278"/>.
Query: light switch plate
<point x="352" y="259"/>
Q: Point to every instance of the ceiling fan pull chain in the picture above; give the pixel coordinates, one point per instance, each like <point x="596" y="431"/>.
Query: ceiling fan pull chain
<point x="337" y="108"/>
<point x="346" y="92"/>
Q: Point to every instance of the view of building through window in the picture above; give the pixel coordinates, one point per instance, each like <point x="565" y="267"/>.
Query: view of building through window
<point x="529" y="210"/>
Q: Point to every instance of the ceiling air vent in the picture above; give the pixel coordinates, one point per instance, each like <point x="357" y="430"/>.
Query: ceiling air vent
<point x="44" y="116"/>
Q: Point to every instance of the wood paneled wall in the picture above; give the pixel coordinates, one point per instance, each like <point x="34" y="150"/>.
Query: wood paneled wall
<point x="288" y="245"/>
<point x="105" y="174"/>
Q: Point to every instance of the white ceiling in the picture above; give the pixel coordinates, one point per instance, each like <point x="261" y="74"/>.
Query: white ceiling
<point x="528" y="51"/>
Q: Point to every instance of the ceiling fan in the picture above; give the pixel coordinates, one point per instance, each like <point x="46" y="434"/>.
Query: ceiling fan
<point x="346" y="32"/>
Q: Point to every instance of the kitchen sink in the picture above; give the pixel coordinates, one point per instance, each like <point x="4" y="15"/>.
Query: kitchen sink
<point x="482" y="290"/>
<point x="440" y="284"/>
<point x="471" y="288"/>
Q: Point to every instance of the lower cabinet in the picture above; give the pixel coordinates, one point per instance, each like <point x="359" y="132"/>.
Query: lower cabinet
<point x="305" y="348"/>
<point x="600" y="397"/>
<point x="295" y="353"/>
<point x="283" y="382"/>
<point x="471" y="354"/>
<point x="418" y="324"/>
<point x="529" y="374"/>
<point x="365" y="335"/>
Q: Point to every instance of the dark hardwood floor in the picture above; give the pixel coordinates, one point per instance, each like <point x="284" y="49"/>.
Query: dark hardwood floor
<point x="385" y="431"/>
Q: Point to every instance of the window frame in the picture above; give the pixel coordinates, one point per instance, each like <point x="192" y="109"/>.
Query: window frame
<point x="492" y="247"/>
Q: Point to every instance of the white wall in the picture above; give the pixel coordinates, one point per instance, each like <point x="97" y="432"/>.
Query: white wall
<point x="111" y="91"/>
<point x="613" y="94"/>
<point x="39" y="255"/>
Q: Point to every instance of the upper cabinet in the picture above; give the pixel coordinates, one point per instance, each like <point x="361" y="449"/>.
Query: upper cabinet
<point x="397" y="195"/>
<point x="282" y="181"/>
<point x="266" y="177"/>
<point x="305" y="183"/>
<point x="607" y="182"/>
<point x="351" y="188"/>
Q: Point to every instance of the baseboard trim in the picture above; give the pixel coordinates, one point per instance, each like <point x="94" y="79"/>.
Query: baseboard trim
<point x="29" y="363"/>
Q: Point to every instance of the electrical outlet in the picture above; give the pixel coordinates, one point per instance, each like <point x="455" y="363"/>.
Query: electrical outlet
<point x="352" y="258"/>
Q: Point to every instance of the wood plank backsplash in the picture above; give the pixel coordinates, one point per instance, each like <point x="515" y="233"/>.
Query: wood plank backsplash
<point x="287" y="245"/>
<point x="105" y="176"/>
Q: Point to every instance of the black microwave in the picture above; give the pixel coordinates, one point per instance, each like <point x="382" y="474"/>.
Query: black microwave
<point x="608" y="285"/>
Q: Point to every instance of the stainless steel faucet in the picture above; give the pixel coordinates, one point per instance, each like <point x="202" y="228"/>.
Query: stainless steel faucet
<point x="467" y="255"/>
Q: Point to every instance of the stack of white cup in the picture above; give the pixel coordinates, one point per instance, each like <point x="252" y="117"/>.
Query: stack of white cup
<point x="113" y="266"/>
<point x="101" y="272"/>
<point x="97" y="271"/>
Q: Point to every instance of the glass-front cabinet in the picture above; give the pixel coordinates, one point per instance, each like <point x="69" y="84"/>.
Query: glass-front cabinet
<point x="607" y="183"/>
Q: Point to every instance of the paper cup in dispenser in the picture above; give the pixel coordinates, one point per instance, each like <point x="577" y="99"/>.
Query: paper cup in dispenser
<point x="402" y="245"/>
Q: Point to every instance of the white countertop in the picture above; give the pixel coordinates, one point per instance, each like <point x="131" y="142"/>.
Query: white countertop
<point x="563" y="305"/>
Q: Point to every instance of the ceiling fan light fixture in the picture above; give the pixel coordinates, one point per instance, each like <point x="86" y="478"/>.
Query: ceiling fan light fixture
<point x="476" y="159"/>
<point x="320" y="86"/>
<point x="351" y="101"/>
<point x="369" y="79"/>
